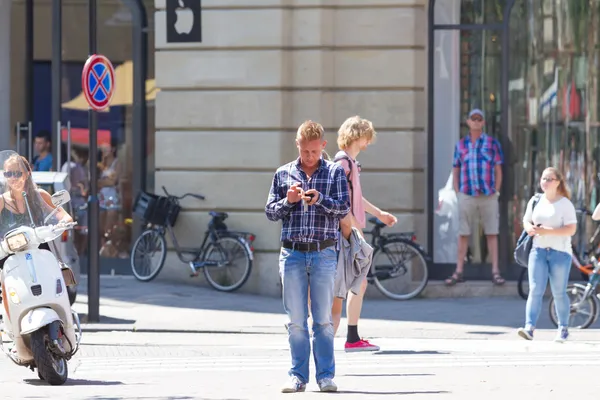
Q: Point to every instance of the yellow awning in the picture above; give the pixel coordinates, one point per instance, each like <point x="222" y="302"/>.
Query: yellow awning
<point x="123" y="95"/>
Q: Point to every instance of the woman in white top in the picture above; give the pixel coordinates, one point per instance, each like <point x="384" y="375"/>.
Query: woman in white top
<point x="552" y="223"/>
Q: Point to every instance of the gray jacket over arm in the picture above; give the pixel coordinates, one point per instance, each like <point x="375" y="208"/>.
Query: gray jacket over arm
<point x="354" y="261"/>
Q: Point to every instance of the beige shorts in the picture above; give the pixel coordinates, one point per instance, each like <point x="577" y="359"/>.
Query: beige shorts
<point x="485" y="207"/>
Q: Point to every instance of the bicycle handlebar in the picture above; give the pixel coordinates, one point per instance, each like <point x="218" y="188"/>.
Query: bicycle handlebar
<point x="197" y="196"/>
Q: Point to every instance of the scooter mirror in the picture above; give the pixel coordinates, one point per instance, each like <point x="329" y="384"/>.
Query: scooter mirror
<point x="60" y="198"/>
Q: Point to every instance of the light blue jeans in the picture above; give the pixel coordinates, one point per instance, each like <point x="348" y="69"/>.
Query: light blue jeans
<point x="544" y="264"/>
<point x="298" y="271"/>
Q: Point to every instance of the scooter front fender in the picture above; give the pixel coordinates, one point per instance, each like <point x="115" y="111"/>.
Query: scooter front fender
<point x="37" y="318"/>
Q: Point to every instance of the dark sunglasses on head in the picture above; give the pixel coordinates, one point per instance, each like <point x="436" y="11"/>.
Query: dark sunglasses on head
<point x="13" y="174"/>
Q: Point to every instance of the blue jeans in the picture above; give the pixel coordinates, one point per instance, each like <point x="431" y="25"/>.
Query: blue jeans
<point x="298" y="271"/>
<point x="544" y="264"/>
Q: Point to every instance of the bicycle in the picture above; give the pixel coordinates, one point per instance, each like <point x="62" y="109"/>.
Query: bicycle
<point x="215" y="256"/>
<point x="397" y="251"/>
<point x="581" y="262"/>
<point x="583" y="299"/>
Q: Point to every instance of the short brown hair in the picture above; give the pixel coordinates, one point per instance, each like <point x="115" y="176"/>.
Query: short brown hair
<point x="353" y="129"/>
<point x="310" y="130"/>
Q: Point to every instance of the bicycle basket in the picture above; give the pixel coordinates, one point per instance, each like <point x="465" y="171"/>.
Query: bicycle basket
<point x="155" y="209"/>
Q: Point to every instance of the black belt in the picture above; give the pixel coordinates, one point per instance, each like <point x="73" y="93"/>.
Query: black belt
<point x="306" y="247"/>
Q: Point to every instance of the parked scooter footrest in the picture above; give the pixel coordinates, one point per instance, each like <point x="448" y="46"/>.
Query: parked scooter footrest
<point x="8" y="352"/>
<point x="78" y="333"/>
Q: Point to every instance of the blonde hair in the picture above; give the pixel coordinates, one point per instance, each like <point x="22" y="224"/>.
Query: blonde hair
<point x="353" y="129"/>
<point x="562" y="186"/>
<point x="310" y="130"/>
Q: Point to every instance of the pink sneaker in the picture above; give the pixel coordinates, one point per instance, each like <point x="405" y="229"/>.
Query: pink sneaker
<point x="361" y="345"/>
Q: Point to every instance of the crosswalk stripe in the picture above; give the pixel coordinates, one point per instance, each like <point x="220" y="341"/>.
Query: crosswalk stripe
<point x="215" y="364"/>
<point x="175" y="368"/>
<point x="109" y="361"/>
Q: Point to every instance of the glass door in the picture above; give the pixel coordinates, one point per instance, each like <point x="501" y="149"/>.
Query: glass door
<point x="467" y="63"/>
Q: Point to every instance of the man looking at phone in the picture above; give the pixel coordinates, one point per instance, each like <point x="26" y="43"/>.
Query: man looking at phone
<point x="310" y="195"/>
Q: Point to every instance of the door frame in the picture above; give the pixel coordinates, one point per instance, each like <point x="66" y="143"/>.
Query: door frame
<point x="442" y="270"/>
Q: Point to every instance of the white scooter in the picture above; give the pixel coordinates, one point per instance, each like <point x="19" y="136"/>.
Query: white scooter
<point x="37" y="315"/>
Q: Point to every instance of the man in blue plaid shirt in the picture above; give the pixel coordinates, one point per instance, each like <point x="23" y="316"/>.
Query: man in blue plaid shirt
<point x="310" y="195"/>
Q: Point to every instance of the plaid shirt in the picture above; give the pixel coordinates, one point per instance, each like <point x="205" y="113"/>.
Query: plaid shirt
<point x="476" y="162"/>
<point x="321" y="221"/>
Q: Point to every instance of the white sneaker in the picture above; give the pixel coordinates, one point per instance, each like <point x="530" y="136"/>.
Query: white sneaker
<point x="293" y="385"/>
<point x="525" y="333"/>
<point x="327" y="385"/>
<point x="562" y="335"/>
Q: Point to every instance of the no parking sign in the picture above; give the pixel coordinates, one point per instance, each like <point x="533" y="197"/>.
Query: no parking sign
<point x="98" y="82"/>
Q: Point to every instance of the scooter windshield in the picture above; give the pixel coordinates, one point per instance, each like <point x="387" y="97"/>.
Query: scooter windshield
<point x="21" y="201"/>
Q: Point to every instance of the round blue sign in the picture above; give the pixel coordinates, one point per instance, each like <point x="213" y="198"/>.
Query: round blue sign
<point x="98" y="82"/>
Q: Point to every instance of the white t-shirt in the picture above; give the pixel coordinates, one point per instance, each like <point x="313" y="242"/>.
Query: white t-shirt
<point x="552" y="215"/>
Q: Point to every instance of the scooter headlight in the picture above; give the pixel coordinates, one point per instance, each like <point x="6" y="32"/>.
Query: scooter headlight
<point x="13" y="296"/>
<point x="17" y="241"/>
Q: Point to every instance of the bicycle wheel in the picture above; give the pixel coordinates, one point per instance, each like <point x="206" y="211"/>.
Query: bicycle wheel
<point x="399" y="269"/>
<point x="233" y="263"/>
<point x="523" y="284"/>
<point x="582" y="310"/>
<point x="148" y="255"/>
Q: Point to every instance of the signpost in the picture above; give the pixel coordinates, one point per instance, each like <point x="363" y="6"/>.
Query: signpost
<point x="98" y="84"/>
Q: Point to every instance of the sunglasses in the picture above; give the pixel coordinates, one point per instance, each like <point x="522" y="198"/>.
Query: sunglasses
<point x="13" y="174"/>
<point x="477" y="119"/>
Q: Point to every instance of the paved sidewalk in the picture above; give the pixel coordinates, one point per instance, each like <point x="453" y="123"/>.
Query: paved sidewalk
<point x="130" y="305"/>
<point x="194" y="343"/>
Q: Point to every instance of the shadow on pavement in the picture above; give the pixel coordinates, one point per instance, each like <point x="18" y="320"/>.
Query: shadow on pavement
<point x="107" y="320"/>
<point x="408" y="352"/>
<point x="147" y="398"/>
<point x="75" y="382"/>
<point x="393" y="393"/>
<point x="482" y="311"/>
<point x="386" y="375"/>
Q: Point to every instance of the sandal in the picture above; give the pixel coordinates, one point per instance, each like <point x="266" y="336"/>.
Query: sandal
<point x="498" y="280"/>
<point x="457" y="277"/>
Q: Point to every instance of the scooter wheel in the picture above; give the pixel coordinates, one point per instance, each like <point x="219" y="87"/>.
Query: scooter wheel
<point x="51" y="368"/>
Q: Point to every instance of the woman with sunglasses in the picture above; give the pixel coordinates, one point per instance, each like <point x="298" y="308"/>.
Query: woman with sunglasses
<point x="13" y="210"/>
<point x="551" y="224"/>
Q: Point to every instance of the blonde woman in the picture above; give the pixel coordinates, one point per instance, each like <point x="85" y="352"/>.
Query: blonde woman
<point x="354" y="136"/>
<point x="551" y="223"/>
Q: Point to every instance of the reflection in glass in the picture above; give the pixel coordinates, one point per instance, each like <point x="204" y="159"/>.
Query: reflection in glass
<point x="473" y="80"/>
<point x="469" y="11"/>
<point x="554" y="112"/>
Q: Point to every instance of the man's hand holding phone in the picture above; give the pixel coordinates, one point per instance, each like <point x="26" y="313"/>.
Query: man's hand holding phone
<point x="311" y="196"/>
<point x="295" y="193"/>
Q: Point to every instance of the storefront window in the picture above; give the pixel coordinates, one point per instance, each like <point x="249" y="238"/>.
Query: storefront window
<point x="115" y="135"/>
<point x="467" y="75"/>
<point x="554" y="99"/>
<point x="469" y="11"/>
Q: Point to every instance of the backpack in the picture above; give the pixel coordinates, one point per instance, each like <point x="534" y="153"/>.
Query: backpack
<point x="525" y="242"/>
<point x="345" y="157"/>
